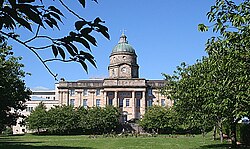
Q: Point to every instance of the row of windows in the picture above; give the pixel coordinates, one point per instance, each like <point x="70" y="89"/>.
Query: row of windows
<point x="150" y="102"/>
<point x="85" y="104"/>
<point x="98" y="92"/>
<point x="110" y="102"/>
<point x="85" y="92"/>
<point x="29" y="109"/>
<point x="50" y="98"/>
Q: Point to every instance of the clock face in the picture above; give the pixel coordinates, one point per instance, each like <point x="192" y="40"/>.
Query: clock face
<point x="124" y="69"/>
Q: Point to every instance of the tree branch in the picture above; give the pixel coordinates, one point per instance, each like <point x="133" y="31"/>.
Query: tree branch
<point x="71" y="10"/>
<point x="37" y="31"/>
<point x="57" y="59"/>
<point x="31" y="49"/>
<point x="44" y="47"/>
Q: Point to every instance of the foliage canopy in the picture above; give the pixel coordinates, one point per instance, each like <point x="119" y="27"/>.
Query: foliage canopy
<point x="37" y="16"/>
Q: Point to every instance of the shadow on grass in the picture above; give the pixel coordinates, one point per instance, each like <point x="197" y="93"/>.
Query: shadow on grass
<point x="221" y="146"/>
<point x="23" y="145"/>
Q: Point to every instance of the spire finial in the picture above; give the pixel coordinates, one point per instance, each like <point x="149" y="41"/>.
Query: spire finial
<point x="123" y="38"/>
<point x="123" y="31"/>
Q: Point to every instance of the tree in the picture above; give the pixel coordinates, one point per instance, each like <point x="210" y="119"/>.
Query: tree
<point x="69" y="120"/>
<point x="38" y="118"/>
<point x="37" y="17"/>
<point x="230" y="58"/>
<point x="157" y="118"/>
<point x="13" y="92"/>
<point x="62" y="120"/>
<point x="217" y="87"/>
<point x="192" y="93"/>
<point x="102" y="120"/>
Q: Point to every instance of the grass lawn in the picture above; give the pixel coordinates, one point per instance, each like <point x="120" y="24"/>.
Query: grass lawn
<point x="84" y="142"/>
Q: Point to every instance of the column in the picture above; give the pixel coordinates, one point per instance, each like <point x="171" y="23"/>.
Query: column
<point x="143" y="103"/>
<point x="80" y="98"/>
<point x="115" y="100"/>
<point x="133" y="105"/>
<point x="59" y="98"/>
<point x="105" y="98"/>
<point x="65" y="98"/>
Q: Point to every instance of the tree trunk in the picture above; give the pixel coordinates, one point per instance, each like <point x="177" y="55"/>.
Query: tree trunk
<point x="214" y="135"/>
<point x="221" y="133"/>
<point x="220" y="129"/>
<point x="233" y="134"/>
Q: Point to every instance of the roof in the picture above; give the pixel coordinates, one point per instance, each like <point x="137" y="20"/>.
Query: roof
<point x="123" y="45"/>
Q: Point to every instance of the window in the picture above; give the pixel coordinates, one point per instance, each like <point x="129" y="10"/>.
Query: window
<point x="127" y="102"/>
<point x="85" y="92"/>
<point x="29" y="109"/>
<point x="150" y="102"/>
<point x="120" y="102"/>
<point x="72" y="92"/>
<point x="163" y="102"/>
<point x="72" y="102"/>
<point x="98" y="102"/>
<point x="138" y="103"/>
<point x="110" y="101"/>
<point x="110" y="93"/>
<point x="138" y="94"/>
<point x="85" y="104"/>
<point x="149" y="91"/>
<point x="98" y="92"/>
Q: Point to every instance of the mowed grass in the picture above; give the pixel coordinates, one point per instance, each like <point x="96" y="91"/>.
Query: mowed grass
<point x="84" y="142"/>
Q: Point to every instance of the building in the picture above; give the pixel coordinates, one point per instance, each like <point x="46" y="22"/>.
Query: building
<point x="123" y="88"/>
<point x="48" y="97"/>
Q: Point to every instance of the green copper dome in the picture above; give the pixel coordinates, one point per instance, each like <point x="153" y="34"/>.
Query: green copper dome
<point x="123" y="46"/>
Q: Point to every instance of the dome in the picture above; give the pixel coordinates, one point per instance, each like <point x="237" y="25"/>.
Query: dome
<point x="123" y="46"/>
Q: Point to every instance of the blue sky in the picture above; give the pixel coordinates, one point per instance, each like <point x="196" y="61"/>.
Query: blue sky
<point x="163" y="33"/>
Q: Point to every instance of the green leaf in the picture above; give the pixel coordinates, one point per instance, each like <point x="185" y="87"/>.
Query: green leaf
<point x="105" y="34"/>
<point x="56" y="16"/>
<point x="1" y="3"/>
<point x="55" y="50"/>
<point x="61" y="52"/>
<point x="91" y="39"/>
<point x="80" y="24"/>
<point x="69" y="49"/>
<point x="49" y="23"/>
<point x="28" y="11"/>
<point x="82" y="41"/>
<point x="52" y="8"/>
<point x="89" y="57"/>
<point x="26" y="1"/>
<point x="13" y="14"/>
<point x="98" y="20"/>
<point x="7" y="22"/>
<point x="95" y="1"/>
<point x="86" y="30"/>
<point x="82" y="3"/>
<point x="73" y="47"/>
<point x="202" y="28"/>
<point x="85" y="67"/>
<point x="103" y="30"/>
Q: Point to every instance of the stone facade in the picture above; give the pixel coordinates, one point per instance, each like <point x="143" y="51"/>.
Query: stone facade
<point x="123" y="88"/>
<point x="48" y="97"/>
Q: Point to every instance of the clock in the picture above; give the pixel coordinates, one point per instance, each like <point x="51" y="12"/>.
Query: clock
<point x="124" y="69"/>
